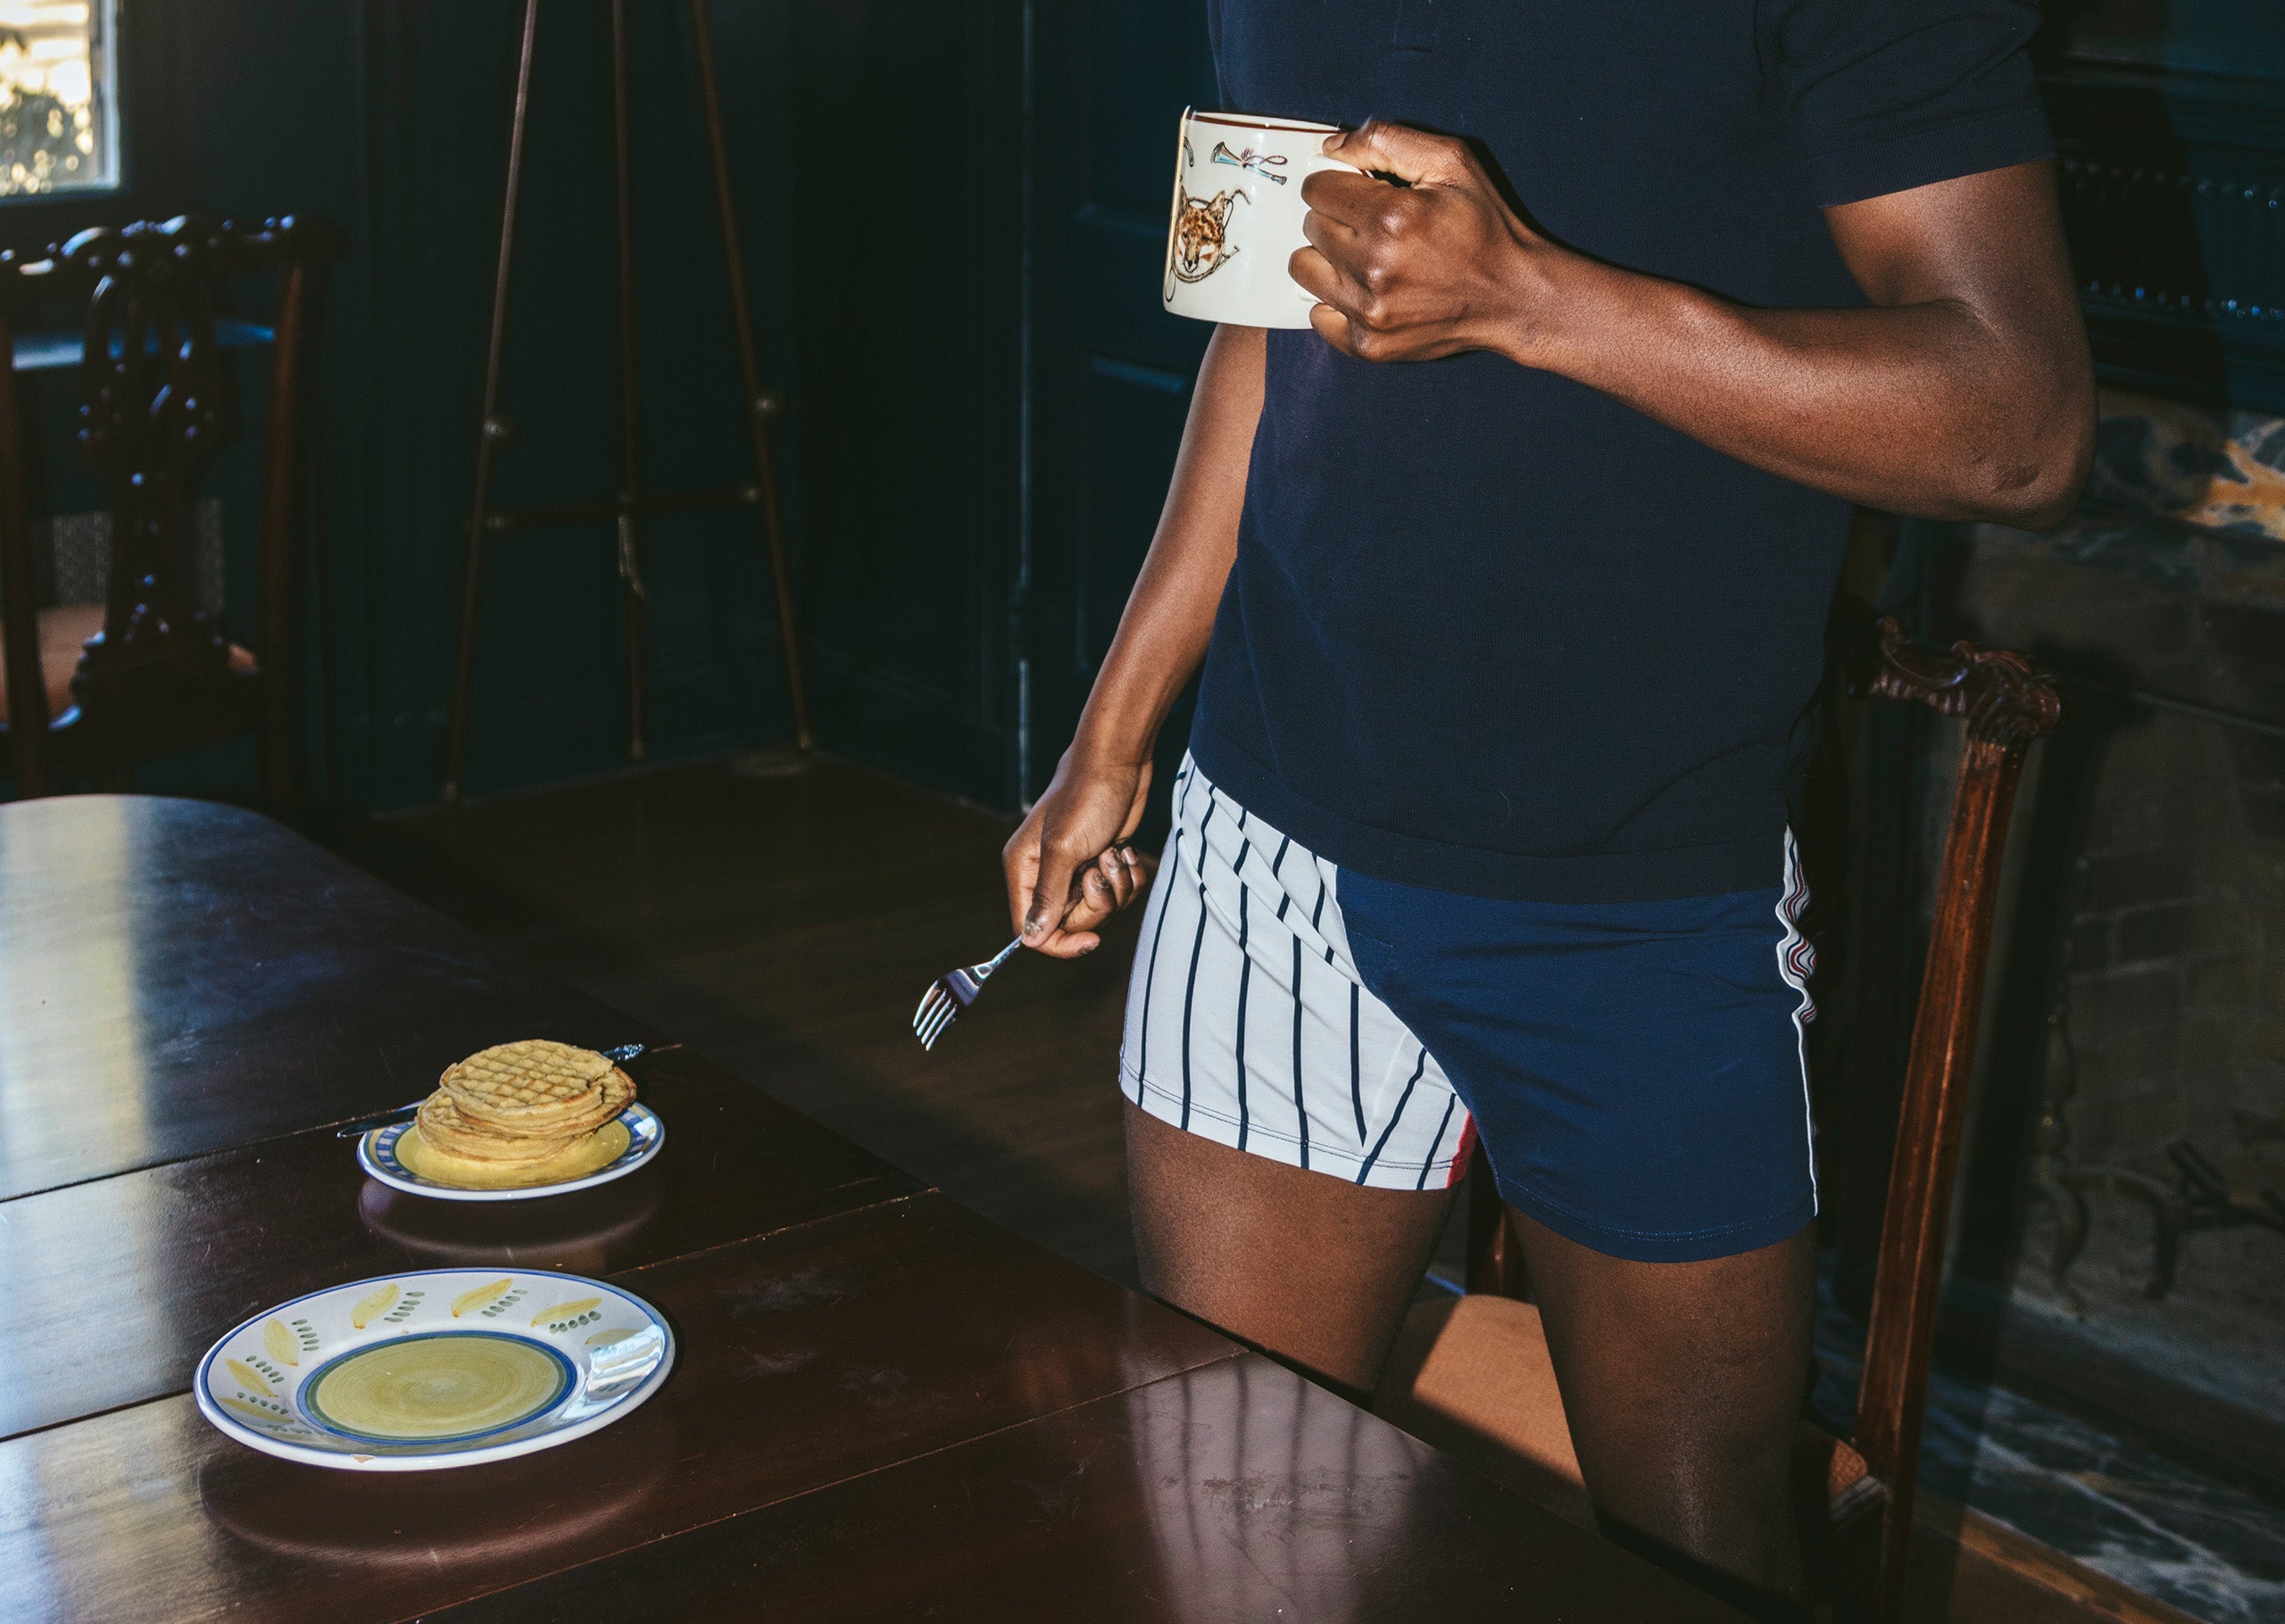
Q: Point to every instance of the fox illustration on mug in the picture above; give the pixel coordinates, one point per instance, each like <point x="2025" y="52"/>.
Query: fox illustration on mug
<point x="1201" y="236"/>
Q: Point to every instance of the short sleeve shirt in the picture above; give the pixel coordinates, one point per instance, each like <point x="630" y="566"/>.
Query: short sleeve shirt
<point x="1490" y="631"/>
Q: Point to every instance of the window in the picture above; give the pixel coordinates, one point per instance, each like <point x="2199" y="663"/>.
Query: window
<point x="58" y="96"/>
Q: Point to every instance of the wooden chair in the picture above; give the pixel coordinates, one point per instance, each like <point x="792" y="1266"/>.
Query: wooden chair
<point x="88" y="690"/>
<point x="1472" y="1373"/>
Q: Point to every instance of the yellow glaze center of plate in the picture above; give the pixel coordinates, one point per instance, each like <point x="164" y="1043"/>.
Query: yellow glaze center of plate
<point x="437" y="1386"/>
<point x="600" y="1150"/>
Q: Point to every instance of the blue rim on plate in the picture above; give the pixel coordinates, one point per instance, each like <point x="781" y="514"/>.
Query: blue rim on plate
<point x="257" y="1383"/>
<point x="377" y="1155"/>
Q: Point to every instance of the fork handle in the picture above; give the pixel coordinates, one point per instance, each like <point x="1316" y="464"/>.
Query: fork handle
<point x="1003" y="956"/>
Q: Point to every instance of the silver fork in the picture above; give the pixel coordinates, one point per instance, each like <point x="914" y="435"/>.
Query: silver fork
<point x="950" y="995"/>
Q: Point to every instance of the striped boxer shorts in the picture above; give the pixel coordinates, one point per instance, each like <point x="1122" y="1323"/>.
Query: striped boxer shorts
<point x="1635" y="1069"/>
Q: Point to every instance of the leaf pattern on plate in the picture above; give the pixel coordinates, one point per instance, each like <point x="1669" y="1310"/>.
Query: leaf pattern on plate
<point x="281" y="1342"/>
<point x="480" y="1297"/>
<point x="256" y="1413"/>
<point x="567" y="1311"/>
<point x="373" y="1304"/>
<point x="252" y="1380"/>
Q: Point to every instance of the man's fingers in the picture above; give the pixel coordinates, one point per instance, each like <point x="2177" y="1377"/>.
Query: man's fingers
<point x="1019" y="867"/>
<point x="1119" y="876"/>
<point x="1323" y="279"/>
<point x="1412" y="156"/>
<point x="1105" y="886"/>
<point x="1314" y="272"/>
<point x="1333" y="326"/>
<point x="1090" y="902"/>
<point x="1051" y="891"/>
<point x="1065" y="942"/>
<point x="1091" y="892"/>
<point x="1098" y="897"/>
<point x="1336" y="239"/>
<point x="1351" y="199"/>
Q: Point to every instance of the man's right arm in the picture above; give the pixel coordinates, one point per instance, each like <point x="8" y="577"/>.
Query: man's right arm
<point x="1097" y="795"/>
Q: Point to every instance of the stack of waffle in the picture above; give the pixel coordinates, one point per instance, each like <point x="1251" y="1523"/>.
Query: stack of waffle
<point x="520" y="1105"/>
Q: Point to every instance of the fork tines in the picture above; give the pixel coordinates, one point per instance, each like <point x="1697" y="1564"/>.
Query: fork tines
<point x="950" y="995"/>
<point x="940" y="1006"/>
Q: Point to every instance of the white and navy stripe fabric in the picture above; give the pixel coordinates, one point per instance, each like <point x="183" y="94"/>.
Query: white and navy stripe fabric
<point x="1246" y="1022"/>
<point x="1634" y="1068"/>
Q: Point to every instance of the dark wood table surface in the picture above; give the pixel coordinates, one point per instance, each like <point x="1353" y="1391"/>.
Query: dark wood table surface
<point x="884" y="1406"/>
<point x="184" y="977"/>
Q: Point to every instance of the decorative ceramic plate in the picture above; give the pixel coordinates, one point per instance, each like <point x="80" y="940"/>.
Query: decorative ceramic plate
<point x="393" y="1155"/>
<point x="450" y="1367"/>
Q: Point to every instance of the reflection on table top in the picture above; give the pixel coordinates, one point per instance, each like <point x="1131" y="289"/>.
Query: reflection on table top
<point x="804" y="1358"/>
<point x="885" y="1405"/>
<point x="1234" y="1491"/>
<point x="183" y="977"/>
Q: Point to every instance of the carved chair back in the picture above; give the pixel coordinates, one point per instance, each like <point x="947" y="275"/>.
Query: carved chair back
<point x="2008" y="703"/>
<point x="158" y="402"/>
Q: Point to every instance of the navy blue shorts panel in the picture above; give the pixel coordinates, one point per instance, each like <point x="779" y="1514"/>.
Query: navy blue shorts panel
<point x="1634" y="1068"/>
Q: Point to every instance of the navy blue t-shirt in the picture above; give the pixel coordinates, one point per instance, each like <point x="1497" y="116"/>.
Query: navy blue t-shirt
<point x="1490" y="631"/>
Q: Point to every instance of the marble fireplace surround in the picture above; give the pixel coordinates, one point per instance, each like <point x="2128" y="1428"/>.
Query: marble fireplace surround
<point x="2144" y="1438"/>
<point x="2218" y="468"/>
<point x="2162" y="606"/>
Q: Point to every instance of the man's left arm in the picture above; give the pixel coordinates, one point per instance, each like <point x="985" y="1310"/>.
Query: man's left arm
<point x="1965" y="392"/>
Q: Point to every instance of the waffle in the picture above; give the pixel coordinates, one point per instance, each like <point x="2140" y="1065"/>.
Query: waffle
<point x="522" y="1104"/>
<point x="532" y="1087"/>
<point x="449" y="1132"/>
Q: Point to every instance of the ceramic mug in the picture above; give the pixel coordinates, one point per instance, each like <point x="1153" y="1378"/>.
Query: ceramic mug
<point x="1237" y="218"/>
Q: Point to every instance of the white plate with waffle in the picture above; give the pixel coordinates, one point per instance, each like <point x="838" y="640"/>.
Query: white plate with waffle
<point x="378" y="1154"/>
<point x="517" y="1121"/>
<point x="433" y="1368"/>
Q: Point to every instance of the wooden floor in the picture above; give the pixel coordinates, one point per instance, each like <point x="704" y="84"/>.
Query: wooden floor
<point x="787" y="926"/>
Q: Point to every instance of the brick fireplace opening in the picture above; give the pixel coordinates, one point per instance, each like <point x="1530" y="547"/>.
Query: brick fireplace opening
<point x="2110" y="1358"/>
<point x="2120" y="1238"/>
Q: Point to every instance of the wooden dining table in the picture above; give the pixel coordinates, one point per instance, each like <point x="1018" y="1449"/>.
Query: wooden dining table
<point x="884" y="1406"/>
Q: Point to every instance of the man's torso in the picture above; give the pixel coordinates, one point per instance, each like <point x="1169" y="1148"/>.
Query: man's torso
<point x="1490" y="631"/>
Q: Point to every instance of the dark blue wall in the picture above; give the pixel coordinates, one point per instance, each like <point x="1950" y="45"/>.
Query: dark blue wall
<point x="947" y="211"/>
<point x="864" y="252"/>
<point x="422" y="122"/>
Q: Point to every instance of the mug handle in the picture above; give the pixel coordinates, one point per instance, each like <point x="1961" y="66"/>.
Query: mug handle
<point x="1321" y="161"/>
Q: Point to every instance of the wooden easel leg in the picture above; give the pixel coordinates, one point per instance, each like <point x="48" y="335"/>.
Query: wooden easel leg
<point x="495" y="430"/>
<point x="630" y="434"/>
<point x="630" y="502"/>
<point x="758" y="406"/>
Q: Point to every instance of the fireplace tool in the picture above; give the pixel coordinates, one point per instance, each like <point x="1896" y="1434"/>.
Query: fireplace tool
<point x="632" y="503"/>
<point x="2205" y="1195"/>
<point x="2065" y="1183"/>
